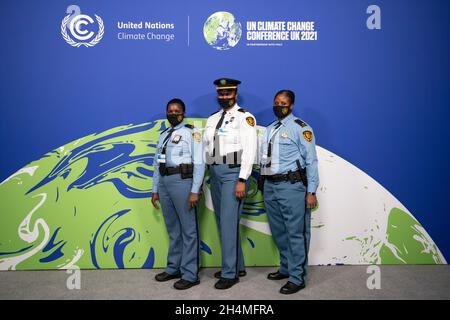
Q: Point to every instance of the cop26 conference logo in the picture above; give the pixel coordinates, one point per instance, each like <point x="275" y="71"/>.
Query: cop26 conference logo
<point x="222" y="31"/>
<point x="76" y="28"/>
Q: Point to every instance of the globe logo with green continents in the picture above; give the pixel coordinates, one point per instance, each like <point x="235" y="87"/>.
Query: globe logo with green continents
<point x="222" y="31"/>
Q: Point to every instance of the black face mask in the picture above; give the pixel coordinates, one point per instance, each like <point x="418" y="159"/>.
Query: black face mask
<point x="175" y="119"/>
<point x="281" y="111"/>
<point x="226" y="103"/>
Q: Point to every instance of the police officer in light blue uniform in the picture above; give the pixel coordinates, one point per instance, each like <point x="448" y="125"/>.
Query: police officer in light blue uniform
<point x="289" y="179"/>
<point x="231" y="148"/>
<point x="178" y="175"/>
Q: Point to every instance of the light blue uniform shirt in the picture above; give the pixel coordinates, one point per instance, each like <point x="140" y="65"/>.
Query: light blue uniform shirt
<point x="183" y="147"/>
<point x="291" y="141"/>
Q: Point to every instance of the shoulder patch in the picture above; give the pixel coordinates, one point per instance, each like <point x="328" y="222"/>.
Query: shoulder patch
<point x="242" y="110"/>
<point x="308" y="135"/>
<point x="250" y="121"/>
<point x="190" y="126"/>
<point x="197" y="136"/>
<point x="300" y="123"/>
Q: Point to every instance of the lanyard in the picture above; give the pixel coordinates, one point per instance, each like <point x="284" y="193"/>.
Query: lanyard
<point x="274" y="131"/>
<point x="271" y="137"/>
<point x="166" y="141"/>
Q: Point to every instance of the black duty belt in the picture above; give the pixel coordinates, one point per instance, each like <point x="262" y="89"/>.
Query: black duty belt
<point x="186" y="170"/>
<point x="292" y="176"/>
<point x="232" y="159"/>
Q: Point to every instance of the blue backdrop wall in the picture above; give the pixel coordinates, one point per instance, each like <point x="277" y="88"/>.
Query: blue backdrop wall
<point x="377" y="98"/>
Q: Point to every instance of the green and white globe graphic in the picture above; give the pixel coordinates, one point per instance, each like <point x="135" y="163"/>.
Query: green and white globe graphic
<point x="87" y="204"/>
<point x="222" y="31"/>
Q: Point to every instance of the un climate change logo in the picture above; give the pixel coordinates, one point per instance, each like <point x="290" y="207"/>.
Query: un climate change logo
<point x="222" y="31"/>
<point x="76" y="23"/>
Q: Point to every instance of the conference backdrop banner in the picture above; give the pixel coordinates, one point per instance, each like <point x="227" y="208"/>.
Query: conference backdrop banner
<point x="84" y="86"/>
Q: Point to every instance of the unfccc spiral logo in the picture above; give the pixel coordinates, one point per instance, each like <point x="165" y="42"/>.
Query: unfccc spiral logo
<point x="75" y="28"/>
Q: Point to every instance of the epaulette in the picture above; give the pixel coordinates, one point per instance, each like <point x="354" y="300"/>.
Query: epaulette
<point x="242" y="110"/>
<point x="190" y="126"/>
<point x="214" y="112"/>
<point x="300" y="123"/>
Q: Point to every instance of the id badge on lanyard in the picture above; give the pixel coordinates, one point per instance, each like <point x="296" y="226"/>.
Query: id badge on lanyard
<point x="272" y="133"/>
<point x="162" y="153"/>
<point x="161" y="158"/>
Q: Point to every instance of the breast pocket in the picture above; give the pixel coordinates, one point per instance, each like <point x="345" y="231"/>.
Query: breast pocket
<point x="184" y="148"/>
<point x="288" y="148"/>
<point x="285" y="140"/>
<point x="232" y="136"/>
<point x="178" y="152"/>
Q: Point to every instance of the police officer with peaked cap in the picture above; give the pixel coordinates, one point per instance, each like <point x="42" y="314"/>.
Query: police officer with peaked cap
<point x="230" y="141"/>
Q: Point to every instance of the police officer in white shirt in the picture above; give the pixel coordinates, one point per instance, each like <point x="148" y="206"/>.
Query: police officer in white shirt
<point x="231" y="146"/>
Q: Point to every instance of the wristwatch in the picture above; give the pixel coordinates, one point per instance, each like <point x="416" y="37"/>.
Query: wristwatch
<point x="242" y="180"/>
<point x="313" y="193"/>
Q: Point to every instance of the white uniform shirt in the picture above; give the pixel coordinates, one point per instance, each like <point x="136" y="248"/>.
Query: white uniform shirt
<point x="237" y="134"/>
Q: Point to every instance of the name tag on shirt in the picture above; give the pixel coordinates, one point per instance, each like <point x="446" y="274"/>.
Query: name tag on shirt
<point x="222" y="132"/>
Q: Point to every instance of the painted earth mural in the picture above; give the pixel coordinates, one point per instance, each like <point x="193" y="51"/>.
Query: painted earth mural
<point x="87" y="204"/>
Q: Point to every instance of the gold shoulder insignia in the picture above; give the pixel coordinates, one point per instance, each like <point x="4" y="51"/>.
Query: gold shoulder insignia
<point x="197" y="136"/>
<point x="308" y="135"/>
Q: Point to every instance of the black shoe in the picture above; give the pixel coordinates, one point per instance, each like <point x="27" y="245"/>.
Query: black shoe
<point x="290" y="288"/>
<point x="164" y="276"/>
<point x="224" y="283"/>
<point x="218" y="274"/>
<point x="184" y="284"/>
<point x="277" y="276"/>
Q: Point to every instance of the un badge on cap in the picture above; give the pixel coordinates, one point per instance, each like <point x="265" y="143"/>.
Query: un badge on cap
<point x="226" y="83"/>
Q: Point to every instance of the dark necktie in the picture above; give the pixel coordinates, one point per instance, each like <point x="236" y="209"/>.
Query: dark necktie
<point x="216" y="138"/>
